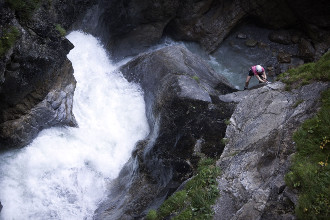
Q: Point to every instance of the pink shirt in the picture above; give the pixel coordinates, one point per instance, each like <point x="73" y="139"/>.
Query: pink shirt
<point x="254" y="70"/>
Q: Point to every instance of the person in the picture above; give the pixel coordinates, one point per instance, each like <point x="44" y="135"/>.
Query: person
<point x="257" y="71"/>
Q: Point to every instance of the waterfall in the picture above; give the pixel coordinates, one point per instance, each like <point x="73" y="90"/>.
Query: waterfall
<point x="64" y="172"/>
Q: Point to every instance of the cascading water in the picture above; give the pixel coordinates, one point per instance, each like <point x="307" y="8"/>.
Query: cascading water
<point x="64" y="173"/>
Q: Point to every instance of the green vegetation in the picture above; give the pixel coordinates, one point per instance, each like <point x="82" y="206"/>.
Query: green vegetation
<point x="310" y="171"/>
<point x="8" y="39"/>
<point x="224" y="141"/>
<point x="195" y="200"/>
<point x="196" y="78"/>
<point x="61" y="30"/>
<point x="307" y="73"/>
<point x="295" y="105"/>
<point x="227" y="121"/>
<point x="24" y="8"/>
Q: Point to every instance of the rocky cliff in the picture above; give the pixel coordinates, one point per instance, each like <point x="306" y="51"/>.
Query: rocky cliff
<point x="37" y="82"/>
<point x="259" y="149"/>
<point x="142" y="23"/>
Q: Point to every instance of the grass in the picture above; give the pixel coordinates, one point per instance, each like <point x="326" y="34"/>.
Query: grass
<point x="310" y="171"/>
<point x="60" y="30"/>
<point x="195" y="200"/>
<point x="24" y="8"/>
<point x="8" y="39"/>
<point x="307" y="73"/>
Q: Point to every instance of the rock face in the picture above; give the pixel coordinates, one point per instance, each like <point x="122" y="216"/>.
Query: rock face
<point x="258" y="153"/>
<point x="186" y="119"/>
<point x="142" y="23"/>
<point x="37" y="83"/>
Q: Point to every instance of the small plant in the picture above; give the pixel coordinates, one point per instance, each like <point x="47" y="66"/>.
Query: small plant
<point x="227" y="122"/>
<point x="196" y="78"/>
<point x="224" y="141"/>
<point x="60" y="29"/>
<point x="295" y="105"/>
<point x="8" y="39"/>
<point x="24" y="8"/>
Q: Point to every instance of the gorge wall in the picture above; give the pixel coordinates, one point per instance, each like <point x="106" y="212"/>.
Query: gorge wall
<point x="187" y="103"/>
<point x="37" y="83"/>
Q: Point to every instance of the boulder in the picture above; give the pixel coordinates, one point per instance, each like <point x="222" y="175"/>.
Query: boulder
<point x="284" y="57"/>
<point x="259" y="150"/>
<point x="306" y="51"/>
<point x="186" y="120"/>
<point x="282" y="37"/>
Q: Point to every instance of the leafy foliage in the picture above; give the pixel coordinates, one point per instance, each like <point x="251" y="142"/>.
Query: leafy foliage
<point x="310" y="171"/>
<point x="307" y="73"/>
<point x="196" y="199"/>
<point x="8" y="39"/>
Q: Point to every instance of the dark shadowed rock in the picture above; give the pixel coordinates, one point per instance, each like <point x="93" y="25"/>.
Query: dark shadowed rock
<point x="282" y="37"/>
<point x="283" y="57"/>
<point x="258" y="153"/>
<point x="37" y="82"/>
<point x="185" y="116"/>
<point x="132" y="26"/>
<point x="306" y="50"/>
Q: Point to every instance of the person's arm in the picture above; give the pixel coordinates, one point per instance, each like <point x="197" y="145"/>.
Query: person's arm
<point x="264" y="76"/>
<point x="260" y="80"/>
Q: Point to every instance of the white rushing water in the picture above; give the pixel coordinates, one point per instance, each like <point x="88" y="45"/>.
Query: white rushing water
<point x="64" y="173"/>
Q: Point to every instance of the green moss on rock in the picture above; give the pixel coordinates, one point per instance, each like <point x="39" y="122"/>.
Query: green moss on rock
<point x="8" y="39"/>
<point x="24" y="8"/>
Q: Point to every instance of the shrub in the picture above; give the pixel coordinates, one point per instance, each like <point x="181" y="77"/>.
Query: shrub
<point x="8" y="39"/>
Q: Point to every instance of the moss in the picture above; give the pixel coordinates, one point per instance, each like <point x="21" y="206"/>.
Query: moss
<point x="8" y="39"/>
<point x="307" y="73"/>
<point x="310" y="171"/>
<point x="61" y="30"/>
<point x="152" y="215"/>
<point x="196" y="78"/>
<point x="24" y="8"/>
<point x="197" y="197"/>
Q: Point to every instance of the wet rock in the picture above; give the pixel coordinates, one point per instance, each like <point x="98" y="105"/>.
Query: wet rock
<point x="251" y="43"/>
<point x="282" y="37"/>
<point x="283" y="57"/>
<point x="306" y="50"/>
<point x="183" y="111"/>
<point x="259" y="150"/>
<point x="241" y="36"/>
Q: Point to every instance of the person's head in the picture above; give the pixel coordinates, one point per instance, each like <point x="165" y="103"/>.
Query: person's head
<point x="259" y="68"/>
